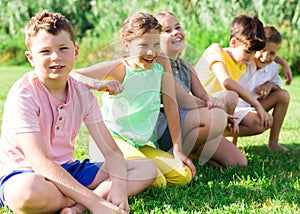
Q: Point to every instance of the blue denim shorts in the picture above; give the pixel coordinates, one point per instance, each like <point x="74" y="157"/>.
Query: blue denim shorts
<point x="84" y="172"/>
<point x="164" y="140"/>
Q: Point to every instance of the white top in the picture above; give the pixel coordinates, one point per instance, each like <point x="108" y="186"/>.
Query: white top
<point x="254" y="77"/>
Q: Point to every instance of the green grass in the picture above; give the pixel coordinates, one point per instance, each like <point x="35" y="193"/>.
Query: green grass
<point x="270" y="184"/>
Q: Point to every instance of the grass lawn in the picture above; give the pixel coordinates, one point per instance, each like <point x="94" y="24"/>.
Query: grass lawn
<point x="270" y="184"/>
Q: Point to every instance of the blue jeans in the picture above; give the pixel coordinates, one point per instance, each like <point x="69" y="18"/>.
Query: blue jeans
<point x="164" y="140"/>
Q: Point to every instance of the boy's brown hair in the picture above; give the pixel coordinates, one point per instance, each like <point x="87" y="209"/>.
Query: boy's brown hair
<point x="53" y="23"/>
<point x="272" y="35"/>
<point x="248" y="31"/>
<point x="163" y="14"/>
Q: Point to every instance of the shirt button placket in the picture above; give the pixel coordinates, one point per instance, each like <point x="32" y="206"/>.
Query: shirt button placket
<point x="60" y="120"/>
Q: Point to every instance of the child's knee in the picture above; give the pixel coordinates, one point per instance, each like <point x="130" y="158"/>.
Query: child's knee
<point x="220" y="121"/>
<point x="160" y="181"/>
<point x="180" y="176"/>
<point x="243" y="162"/>
<point x="284" y="96"/>
<point x="240" y="161"/>
<point x="258" y="127"/>
<point x="232" y="99"/>
<point x="31" y="194"/>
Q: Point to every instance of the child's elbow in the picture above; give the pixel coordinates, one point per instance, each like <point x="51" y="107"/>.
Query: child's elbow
<point x="227" y="84"/>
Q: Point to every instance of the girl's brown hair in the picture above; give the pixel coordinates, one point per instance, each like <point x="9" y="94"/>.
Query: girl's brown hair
<point x="135" y="26"/>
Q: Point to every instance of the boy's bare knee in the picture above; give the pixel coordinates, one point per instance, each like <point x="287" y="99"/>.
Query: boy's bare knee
<point x="284" y="96"/>
<point x="258" y="127"/>
<point x="21" y="202"/>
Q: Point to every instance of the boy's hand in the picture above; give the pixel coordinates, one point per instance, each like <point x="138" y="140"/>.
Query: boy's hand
<point x="266" y="118"/>
<point x="232" y="124"/>
<point x="287" y="72"/>
<point x="264" y="90"/>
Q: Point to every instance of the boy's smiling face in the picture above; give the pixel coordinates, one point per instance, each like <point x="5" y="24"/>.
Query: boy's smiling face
<point x="266" y="55"/>
<point x="53" y="56"/>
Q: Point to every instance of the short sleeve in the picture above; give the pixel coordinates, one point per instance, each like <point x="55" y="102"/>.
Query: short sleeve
<point x="213" y="54"/>
<point x="21" y="111"/>
<point x="94" y="113"/>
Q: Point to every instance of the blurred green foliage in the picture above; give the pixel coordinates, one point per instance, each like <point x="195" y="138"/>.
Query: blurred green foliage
<point x="97" y="23"/>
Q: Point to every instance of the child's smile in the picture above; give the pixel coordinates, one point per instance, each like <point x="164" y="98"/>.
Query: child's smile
<point x="173" y="36"/>
<point x="144" y="50"/>
<point x="52" y="55"/>
<point x="267" y="55"/>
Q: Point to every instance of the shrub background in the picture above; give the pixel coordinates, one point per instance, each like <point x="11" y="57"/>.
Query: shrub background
<point x="97" y="23"/>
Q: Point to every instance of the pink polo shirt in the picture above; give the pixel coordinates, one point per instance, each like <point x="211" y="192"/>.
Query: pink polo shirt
<point x="31" y="108"/>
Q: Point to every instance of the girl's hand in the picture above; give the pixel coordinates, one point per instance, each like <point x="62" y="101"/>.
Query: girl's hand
<point x="118" y="196"/>
<point x="113" y="87"/>
<point x="207" y="99"/>
<point x="186" y="162"/>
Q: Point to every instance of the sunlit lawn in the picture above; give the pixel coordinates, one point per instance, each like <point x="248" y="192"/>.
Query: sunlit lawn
<point x="270" y="184"/>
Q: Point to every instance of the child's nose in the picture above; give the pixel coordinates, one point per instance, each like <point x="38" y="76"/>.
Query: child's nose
<point x="267" y="56"/>
<point x="55" y="56"/>
<point x="150" y="52"/>
<point x="175" y="32"/>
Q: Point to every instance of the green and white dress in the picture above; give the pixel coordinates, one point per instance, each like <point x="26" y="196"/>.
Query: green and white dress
<point x="132" y="115"/>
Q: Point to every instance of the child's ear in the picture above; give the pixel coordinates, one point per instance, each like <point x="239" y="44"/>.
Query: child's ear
<point x="29" y="58"/>
<point x="126" y="45"/>
<point x="233" y="42"/>
<point x="76" y="51"/>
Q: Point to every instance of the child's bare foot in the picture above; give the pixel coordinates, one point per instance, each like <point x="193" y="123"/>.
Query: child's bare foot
<point x="277" y="147"/>
<point x="214" y="163"/>
<point x="77" y="209"/>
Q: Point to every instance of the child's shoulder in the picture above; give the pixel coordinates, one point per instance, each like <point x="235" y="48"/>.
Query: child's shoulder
<point x="26" y="82"/>
<point x="185" y="63"/>
<point x="273" y="66"/>
<point x="77" y="85"/>
<point x="159" y="65"/>
<point x="213" y="48"/>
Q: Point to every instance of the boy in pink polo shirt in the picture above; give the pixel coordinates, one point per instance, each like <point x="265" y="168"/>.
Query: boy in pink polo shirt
<point x="42" y="116"/>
